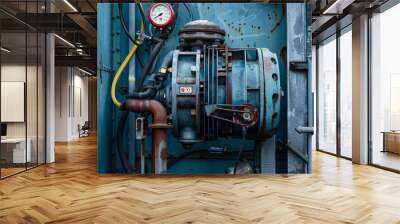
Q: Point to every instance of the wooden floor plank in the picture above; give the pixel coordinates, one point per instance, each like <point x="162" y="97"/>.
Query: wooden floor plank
<point x="70" y="191"/>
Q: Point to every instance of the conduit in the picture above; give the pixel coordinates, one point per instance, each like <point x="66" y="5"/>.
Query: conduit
<point x="159" y="126"/>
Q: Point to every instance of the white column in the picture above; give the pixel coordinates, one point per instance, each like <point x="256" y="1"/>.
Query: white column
<point x="50" y="110"/>
<point x="50" y="93"/>
<point x="360" y="90"/>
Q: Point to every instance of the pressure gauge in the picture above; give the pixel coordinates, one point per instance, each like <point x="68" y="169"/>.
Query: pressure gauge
<point x="161" y="15"/>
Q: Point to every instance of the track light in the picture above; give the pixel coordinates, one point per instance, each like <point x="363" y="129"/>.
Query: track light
<point x="5" y="50"/>
<point x="70" y="5"/>
<point x="337" y="7"/>
<point x="84" y="71"/>
<point x="64" y="40"/>
<point x="329" y="9"/>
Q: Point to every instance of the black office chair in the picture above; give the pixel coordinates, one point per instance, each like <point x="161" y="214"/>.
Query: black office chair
<point x="84" y="130"/>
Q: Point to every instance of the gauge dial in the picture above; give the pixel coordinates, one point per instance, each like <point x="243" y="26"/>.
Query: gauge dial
<point x="161" y="15"/>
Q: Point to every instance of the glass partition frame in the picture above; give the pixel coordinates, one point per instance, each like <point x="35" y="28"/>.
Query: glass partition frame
<point x="338" y="123"/>
<point x="33" y="64"/>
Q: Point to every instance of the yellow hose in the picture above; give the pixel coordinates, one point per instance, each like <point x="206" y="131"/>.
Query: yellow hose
<point x="122" y="68"/>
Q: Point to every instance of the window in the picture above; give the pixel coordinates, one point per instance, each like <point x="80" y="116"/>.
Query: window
<point x="327" y="97"/>
<point x="385" y="89"/>
<point x="335" y="74"/>
<point x="346" y="93"/>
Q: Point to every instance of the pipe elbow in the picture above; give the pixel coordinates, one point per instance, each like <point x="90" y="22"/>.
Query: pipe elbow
<point x="153" y="106"/>
<point x="159" y="112"/>
<point x="159" y="126"/>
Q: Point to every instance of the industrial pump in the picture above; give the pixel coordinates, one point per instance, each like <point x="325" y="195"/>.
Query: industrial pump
<point x="204" y="91"/>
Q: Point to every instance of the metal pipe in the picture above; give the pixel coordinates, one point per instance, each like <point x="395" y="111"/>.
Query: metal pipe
<point x="159" y="126"/>
<point x="155" y="52"/>
<point x="142" y="157"/>
<point x="167" y="61"/>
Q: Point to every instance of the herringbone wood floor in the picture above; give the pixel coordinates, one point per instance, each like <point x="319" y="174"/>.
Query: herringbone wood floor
<point x="70" y="191"/>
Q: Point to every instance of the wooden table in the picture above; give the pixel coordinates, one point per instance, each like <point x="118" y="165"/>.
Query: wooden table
<point x="391" y="141"/>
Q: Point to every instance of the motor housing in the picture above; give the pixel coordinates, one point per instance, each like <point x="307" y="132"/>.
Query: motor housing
<point x="216" y="91"/>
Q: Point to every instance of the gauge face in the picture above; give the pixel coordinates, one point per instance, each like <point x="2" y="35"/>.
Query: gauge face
<point x="161" y="15"/>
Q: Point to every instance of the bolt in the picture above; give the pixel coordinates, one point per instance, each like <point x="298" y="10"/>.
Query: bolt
<point x="247" y="116"/>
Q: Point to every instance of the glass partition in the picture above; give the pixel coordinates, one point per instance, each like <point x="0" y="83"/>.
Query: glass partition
<point x="14" y="153"/>
<point x="22" y="77"/>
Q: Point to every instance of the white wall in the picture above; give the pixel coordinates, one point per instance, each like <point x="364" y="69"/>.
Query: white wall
<point x="12" y="73"/>
<point x="33" y="127"/>
<point x="71" y="102"/>
<point x="80" y="112"/>
<point x="62" y="83"/>
<point x="17" y="73"/>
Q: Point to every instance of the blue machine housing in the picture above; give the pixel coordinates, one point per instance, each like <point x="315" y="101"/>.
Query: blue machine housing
<point x="268" y="46"/>
<point x="218" y="77"/>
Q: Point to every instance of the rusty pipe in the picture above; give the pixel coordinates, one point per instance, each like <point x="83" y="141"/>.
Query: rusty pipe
<point x="159" y="126"/>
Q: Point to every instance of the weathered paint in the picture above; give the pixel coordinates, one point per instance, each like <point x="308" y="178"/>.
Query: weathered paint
<point x="247" y="25"/>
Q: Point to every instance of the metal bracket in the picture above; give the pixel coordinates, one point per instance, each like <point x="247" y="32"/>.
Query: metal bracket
<point x="305" y="130"/>
<point x="142" y="37"/>
<point x="244" y="115"/>
<point x="295" y="151"/>
<point x="141" y="127"/>
<point x="298" y="66"/>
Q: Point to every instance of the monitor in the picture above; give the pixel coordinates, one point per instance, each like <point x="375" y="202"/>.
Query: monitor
<point x="3" y="129"/>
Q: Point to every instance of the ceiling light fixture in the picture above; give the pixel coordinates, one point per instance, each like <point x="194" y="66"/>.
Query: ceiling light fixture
<point x="65" y="41"/>
<point x="84" y="71"/>
<point x="337" y="7"/>
<point x="70" y="5"/>
<point x="329" y="9"/>
<point x="5" y="50"/>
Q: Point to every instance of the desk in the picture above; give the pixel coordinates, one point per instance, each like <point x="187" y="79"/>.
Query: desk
<point x="391" y="141"/>
<point x="13" y="150"/>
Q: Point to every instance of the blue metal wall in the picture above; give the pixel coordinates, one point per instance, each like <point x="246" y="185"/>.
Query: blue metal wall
<point x="247" y="26"/>
<point x="105" y="74"/>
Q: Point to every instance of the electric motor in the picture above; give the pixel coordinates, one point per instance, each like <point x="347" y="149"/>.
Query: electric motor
<point x="217" y="91"/>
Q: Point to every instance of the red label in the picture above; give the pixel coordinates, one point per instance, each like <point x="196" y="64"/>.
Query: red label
<point x="185" y="89"/>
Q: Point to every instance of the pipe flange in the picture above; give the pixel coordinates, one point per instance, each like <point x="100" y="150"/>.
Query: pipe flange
<point x="160" y="126"/>
<point x="201" y="32"/>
